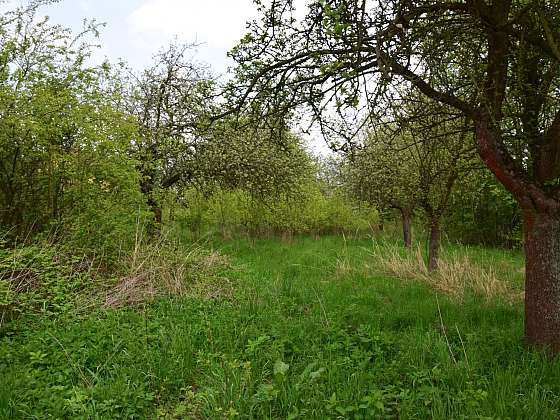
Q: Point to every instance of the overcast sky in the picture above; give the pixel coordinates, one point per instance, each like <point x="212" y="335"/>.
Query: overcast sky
<point x="136" y="29"/>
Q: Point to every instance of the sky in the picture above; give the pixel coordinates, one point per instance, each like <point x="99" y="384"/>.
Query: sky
<point x="137" y="29"/>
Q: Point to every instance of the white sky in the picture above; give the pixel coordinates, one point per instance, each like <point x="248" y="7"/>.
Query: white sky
<point x="137" y="29"/>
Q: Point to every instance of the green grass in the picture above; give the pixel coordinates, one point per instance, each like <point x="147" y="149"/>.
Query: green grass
<point x="308" y="334"/>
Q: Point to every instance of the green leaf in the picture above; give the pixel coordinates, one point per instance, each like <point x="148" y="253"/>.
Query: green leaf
<point x="280" y="368"/>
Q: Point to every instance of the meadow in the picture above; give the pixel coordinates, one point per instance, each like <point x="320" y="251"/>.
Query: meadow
<point x="176" y="242"/>
<point x="328" y="327"/>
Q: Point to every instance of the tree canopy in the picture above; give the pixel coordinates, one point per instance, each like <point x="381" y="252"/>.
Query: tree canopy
<point x="494" y="62"/>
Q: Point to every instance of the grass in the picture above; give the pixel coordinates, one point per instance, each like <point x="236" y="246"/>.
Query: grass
<point x="313" y="329"/>
<point x="461" y="271"/>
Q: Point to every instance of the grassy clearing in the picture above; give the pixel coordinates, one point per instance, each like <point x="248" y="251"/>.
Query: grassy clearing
<point x="313" y="329"/>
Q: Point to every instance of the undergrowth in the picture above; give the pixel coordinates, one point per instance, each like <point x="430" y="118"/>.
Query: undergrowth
<point x="165" y="267"/>
<point x="457" y="274"/>
<point x="38" y="279"/>
<point x="313" y="331"/>
<point x="46" y="279"/>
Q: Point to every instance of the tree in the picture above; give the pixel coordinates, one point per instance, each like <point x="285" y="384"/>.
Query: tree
<point x="417" y="166"/>
<point x="62" y="144"/>
<point x="496" y="62"/>
<point x="253" y="160"/>
<point x="383" y="176"/>
<point x="177" y="148"/>
<point x="441" y="151"/>
<point x="170" y="100"/>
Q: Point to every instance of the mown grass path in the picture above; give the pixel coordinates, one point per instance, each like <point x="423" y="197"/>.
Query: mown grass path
<point x="309" y="332"/>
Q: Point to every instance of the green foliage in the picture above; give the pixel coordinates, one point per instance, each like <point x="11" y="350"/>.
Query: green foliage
<point x="308" y="211"/>
<point x="170" y="102"/>
<point x="483" y="212"/>
<point x="106" y="207"/>
<point x="40" y="279"/>
<point x="302" y="338"/>
<point x="310" y="331"/>
<point x="259" y="162"/>
<point x="63" y="146"/>
<point x="384" y="175"/>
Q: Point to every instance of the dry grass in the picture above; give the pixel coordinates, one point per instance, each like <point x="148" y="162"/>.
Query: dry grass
<point x="456" y="276"/>
<point x="343" y="268"/>
<point x="167" y="268"/>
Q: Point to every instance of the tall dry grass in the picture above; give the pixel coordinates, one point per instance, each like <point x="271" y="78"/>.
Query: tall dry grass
<point x="166" y="267"/>
<point x="457" y="275"/>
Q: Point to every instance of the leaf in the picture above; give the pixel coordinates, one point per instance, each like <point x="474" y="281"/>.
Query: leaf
<point x="280" y="368"/>
<point x="341" y="410"/>
<point x="314" y="376"/>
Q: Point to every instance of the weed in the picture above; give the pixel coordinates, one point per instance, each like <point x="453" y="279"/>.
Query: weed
<point x="301" y="340"/>
<point x="40" y="279"/>
<point x="456" y="276"/>
<point x="166" y="267"/>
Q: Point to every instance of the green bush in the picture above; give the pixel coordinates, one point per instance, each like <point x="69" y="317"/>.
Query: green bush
<point x="40" y="279"/>
<point x="308" y="211"/>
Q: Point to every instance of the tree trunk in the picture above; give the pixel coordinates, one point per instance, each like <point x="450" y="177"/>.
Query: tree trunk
<point x="147" y="188"/>
<point x="154" y="226"/>
<point x="541" y="234"/>
<point x="407" y="230"/>
<point x="542" y="279"/>
<point x="156" y="209"/>
<point x="434" y="245"/>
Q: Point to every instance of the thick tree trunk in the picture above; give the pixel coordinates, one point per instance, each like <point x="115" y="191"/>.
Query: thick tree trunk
<point x="434" y="245"/>
<point x="542" y="280"/>
<point x="541" y="231"/>
<point x="407" y="229"/>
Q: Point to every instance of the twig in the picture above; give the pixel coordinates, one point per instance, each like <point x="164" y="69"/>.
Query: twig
<point x="463" y="346"/>
<point x="444" y="332"/>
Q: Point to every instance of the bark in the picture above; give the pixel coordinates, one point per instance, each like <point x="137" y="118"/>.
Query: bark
<point x="541" y="210"/>
<point x="542" y="279"/>
<point x="541" y="230"/>
<point x="434" y="245"/>
<point x="147" y="188"/>
<point x="156" y="209"/>
<point x="407" y="229"/>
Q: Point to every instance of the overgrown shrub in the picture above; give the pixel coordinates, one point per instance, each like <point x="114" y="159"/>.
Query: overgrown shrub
<point x="40" y="279"/>
<point x="309" y="212"/>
